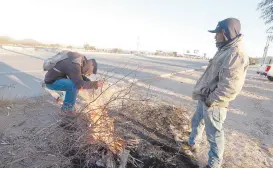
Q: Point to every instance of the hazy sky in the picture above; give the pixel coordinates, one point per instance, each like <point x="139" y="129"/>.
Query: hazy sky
<point x="161" y="24"/>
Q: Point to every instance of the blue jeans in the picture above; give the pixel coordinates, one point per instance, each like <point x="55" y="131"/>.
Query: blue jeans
<point x="211" y="119"/>
<point x="71" y="92"/>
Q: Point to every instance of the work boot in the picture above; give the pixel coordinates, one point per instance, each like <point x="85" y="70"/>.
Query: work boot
<point x="69" y="113"/>
<point x="186" y="146"/>
<point x="59" y="100"/>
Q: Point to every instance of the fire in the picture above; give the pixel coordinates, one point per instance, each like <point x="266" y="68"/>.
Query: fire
<point x="101" y="126"/>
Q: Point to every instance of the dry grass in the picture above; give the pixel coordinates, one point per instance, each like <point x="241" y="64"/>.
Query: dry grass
<point x="114" y="127"/>
<point x="102" y="135"/>
<point x="111" y="120"/>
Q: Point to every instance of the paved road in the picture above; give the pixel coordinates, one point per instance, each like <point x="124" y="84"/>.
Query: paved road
<point x="22" y="68"/>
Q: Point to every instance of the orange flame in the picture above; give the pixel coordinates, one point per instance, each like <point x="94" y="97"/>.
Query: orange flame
<point x="102" y="126"/>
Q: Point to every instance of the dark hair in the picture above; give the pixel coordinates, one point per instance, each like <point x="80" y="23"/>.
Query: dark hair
<point x="95" y="66"/>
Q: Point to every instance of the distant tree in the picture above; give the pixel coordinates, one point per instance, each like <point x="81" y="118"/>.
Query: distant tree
<point x="86" y="46"/>
<point x="266" y="7"/>
<point x="57" y="45"/>
<point x="93" y="48"/>
<point x="116" y="50"/>
<point x="54" y="45"/>
<point x="158" y="52"/>
<point x="69" y="47"/>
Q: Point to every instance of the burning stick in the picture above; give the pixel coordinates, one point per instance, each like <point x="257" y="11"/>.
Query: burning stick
<point x="100" y="125"/>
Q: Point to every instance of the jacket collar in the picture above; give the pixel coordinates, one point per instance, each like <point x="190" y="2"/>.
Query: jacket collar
<point x="233" y="43"/>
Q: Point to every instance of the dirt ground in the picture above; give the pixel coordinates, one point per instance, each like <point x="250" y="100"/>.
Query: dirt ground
<point x="24" y="126"/>
<point x="32" y="135"/>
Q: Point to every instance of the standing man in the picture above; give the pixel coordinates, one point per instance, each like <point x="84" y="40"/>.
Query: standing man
<point x="68" y="75"/>
<point x="221" y="83"/>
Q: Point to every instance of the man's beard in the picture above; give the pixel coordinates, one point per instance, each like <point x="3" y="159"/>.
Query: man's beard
<point x="220" y="44"/>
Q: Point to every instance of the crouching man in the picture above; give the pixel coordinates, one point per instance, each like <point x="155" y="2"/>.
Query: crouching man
<point x="68" y="75"/>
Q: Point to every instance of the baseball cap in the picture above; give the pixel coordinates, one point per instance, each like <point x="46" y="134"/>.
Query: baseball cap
<point x="231" y="27"/>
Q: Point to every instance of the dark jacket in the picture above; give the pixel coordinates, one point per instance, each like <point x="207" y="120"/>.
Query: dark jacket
<point x="74" y="67"/>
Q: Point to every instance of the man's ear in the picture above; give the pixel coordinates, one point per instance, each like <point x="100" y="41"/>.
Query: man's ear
<point x="224" y="35"/>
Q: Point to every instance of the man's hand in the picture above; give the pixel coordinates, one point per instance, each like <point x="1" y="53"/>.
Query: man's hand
<point x="100" y="83"/>
<point x="207" y="103"/>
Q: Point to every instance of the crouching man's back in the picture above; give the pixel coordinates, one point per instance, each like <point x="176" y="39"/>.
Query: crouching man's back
<point x="69" y="75"/>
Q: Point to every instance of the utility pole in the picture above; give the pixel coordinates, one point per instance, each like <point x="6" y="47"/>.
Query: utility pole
<point x="138" y="44"/>
<point x="269" y="39"/>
